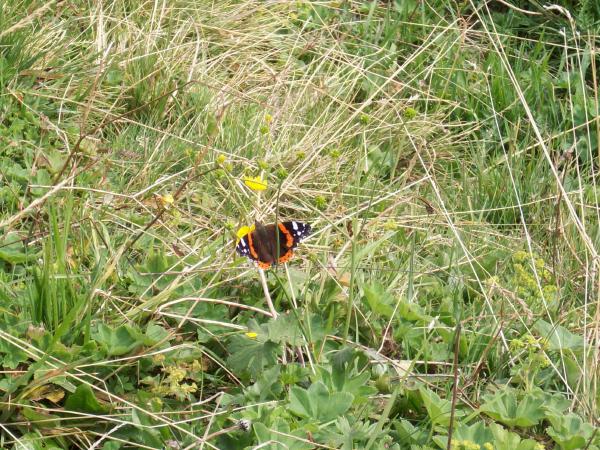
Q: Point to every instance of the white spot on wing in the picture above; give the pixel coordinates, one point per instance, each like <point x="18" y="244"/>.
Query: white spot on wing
<point x="294" y="226"/>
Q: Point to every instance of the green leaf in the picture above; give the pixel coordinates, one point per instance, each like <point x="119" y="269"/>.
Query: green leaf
<point x="558" y="337"/>
<point x="477" y="433"/>
<point x="10" y="355"/>
<point x="155" y="333"/>
<point x="507" y="440"/>
<point x="13" y="251"/>
<point x="504" y="407"/>
<point x="569" y="431"/>
<point x="111" y="445"/>
<point x="285" y="330"/>
<point x="438" y="409"/>
<point x="340" y="380"/>
<point x="318" y="403"/>
<point x="379" y="300"/>
<point x="145" y="433"/>
<point x="252" y="355"/>
<point x="32" y="441"/>
<point x="279" y="437"/>
<point x="552" y="403"/>
<point x="267" y="387"/>
<point x="37" y="414"/>
<point x="119" y="341"/>
<point x="84" y="400"/>
<point x="409" y="434"/>
<point x="350" y="372"/>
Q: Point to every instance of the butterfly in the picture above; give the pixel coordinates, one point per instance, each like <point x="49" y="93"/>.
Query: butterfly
<point x="261" y="244"/>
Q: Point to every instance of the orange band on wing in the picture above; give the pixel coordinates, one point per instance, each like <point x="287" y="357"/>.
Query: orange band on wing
<point x="285" y="258"/>
<point x="289" y="239"/>
<point x="263" y="265"/>
<point x="251" y="246"/>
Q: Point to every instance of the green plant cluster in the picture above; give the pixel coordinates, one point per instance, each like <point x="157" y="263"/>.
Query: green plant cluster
<point x="445" y="154"/>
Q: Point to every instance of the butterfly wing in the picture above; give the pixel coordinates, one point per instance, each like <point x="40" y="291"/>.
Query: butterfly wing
<point x="290" y="235"/>
<point x="298" y="230"/>
<point x="243" y="247"/>
<point x="260" y="245"/>
<point x="256" y="245"/>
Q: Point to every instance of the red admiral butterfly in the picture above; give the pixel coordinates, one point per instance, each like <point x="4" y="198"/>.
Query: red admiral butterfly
<point x="260" y="245"/>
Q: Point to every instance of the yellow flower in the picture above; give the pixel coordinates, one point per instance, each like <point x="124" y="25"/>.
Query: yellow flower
<point x="243" y="232"/>
<point x="255" y="183"/>
<point x="268" y="118"/>
<point x="251" y="334"/>
<point x="158" y="358"/>
<point x="167" y="200"/>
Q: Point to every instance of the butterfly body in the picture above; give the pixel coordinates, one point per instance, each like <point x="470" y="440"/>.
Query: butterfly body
<point x="272" y="244"/>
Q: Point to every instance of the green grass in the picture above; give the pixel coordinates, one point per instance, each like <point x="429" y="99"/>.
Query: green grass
<point x="445" y="154"/>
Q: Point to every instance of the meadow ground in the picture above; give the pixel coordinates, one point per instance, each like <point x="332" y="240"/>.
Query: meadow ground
<point x="445" y="154"/>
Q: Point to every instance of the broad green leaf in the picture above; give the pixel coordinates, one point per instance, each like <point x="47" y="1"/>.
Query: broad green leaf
<point x="11" y="356"/>
<point x="279" y="436"/>
<point x="410" y="434"/>
<point x="569" y="431"/>
<point x="477" y="434"/>
<point x="318" y="403"/>
<point x="13" y="251"/>
<point x="267" y="387"/>
<point x="413" y="312"/>
<point x="285" y="330"/>
<point x="111" y="445"/>
<point x="507" y="440"/>
<point x="146" y="435"/>
<point x="351" y="434"/>
<point x="84" y="400"/>
<point x="33" y="441"/>
<point x="558" y="336"/>
<point x="252" y="354"/>
<point x="37" y="414"/>
<point x="119" y="341"/>
<point x="505" y="407"/>
<point x="380" y="301"/>
<point x="438" y="409"/>
<point x="155" y="333"/>
<point x="350" y="372"/>
<point x="340" y="380"/>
